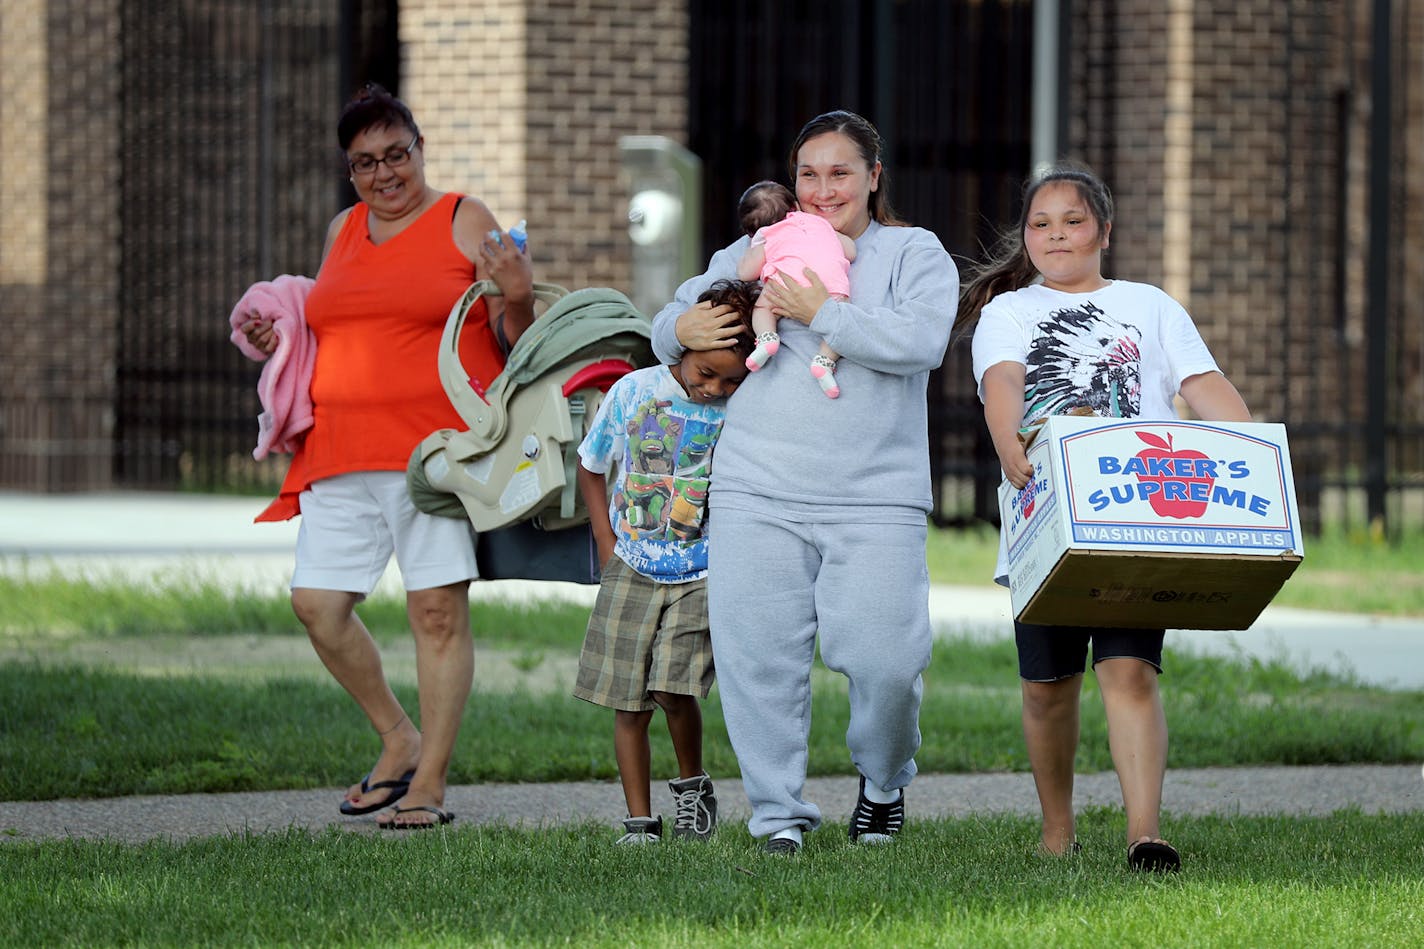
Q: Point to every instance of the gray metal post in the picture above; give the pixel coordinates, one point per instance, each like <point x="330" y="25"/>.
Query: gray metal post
<point x="1377" y="381"/>
<point x="1046" y="82"/>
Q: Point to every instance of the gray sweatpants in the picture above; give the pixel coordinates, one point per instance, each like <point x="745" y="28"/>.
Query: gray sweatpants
<point x="772" y="585"/>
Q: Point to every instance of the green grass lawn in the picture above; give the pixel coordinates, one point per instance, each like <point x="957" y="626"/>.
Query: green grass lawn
<point x="1348" y="879"/>
<point x="110" y="690"/>
<point x="195" y="689"/>
<point x="1343" y="571"/>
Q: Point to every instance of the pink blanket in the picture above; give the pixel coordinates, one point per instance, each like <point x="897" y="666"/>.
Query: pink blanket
<point x="284" y="387"/>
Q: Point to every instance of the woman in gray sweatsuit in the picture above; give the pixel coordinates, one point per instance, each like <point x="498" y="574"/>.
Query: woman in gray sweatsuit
<point x="818" y="506"/>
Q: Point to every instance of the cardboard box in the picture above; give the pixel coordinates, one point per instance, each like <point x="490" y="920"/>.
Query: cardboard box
<point x="1176" y="524"/>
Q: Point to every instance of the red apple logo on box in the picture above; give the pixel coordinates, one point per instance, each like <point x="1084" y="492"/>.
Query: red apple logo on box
<point x="1176" y="473"/>
<point x="1027" y="497"/>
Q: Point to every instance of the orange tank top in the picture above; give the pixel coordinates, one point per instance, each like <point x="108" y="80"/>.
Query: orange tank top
<point x="377" y="312"/>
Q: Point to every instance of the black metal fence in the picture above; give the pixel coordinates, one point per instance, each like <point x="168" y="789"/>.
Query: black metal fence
<point x="229" y="170"/>
<point x="947" y="86"/>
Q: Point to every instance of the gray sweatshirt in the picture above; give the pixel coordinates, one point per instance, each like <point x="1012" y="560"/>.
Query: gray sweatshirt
<point x="784" y="441"/>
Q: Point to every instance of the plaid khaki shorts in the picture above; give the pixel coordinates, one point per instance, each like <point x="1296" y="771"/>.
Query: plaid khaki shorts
<point x="644" y="637"/>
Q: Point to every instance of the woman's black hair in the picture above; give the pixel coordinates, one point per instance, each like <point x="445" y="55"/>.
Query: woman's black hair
<point x="372" y="107"/>
<point x="867" y="142"/>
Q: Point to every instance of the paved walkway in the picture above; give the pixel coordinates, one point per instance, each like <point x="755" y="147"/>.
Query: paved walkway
<point x="152" y="537"/>
<point x="1307" y="791"/>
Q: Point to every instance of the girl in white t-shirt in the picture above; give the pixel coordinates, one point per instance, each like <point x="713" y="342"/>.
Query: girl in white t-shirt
<point x="1054" y="337"/>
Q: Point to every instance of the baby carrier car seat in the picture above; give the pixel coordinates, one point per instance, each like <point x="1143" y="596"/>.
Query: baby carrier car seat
<point x="518" y="460"/>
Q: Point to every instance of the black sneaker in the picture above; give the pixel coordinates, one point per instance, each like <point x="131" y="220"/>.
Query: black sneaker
<point x="781" y="846"/>
<point x="696" y="808"/>
<point x="641" y="830"/>
<point x="872" y="823"/>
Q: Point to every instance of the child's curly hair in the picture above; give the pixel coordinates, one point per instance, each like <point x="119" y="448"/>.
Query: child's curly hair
<point x="740" y="295"/>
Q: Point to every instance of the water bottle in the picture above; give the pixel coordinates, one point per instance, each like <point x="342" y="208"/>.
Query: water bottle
<point x="520" y="235"/>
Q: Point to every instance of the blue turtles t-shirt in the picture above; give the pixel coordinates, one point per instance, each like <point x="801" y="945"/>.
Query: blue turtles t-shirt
<point x="663" y="443"/>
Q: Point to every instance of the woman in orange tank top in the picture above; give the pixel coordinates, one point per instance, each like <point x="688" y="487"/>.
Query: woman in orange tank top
<point x="393" y="266"/>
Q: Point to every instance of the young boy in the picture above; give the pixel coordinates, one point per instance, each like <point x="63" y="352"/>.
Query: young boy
<point x="647" y="644"/>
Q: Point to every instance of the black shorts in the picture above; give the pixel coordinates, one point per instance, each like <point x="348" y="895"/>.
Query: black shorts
<point x="1050" y="653"/>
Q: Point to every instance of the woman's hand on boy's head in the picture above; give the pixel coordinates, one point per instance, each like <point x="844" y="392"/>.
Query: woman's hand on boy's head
<point x="790" y="299"/>
<point x="708" y="326"/>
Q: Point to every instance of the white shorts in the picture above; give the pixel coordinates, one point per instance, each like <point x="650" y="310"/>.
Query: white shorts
<point x="352" y="523"/>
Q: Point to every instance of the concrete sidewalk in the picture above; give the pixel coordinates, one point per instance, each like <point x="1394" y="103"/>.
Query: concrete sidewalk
<point x="156" y="537"/>
<point x="1301" y="791"/>
<point x="153" y="538"/>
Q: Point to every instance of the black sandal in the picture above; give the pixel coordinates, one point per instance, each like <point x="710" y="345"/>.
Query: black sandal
<point x="442" y="816"/>
<point x="1153" y="856"/>
<point x="398" y="788"/>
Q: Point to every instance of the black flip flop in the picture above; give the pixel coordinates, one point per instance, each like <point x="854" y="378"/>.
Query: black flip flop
<point x="441" y="817"/>
<point x="1153" y="856"/>
<point x="397" y="787"/>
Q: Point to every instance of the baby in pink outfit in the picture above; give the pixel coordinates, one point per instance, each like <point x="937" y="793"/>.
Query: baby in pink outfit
<point x="786" y="242"/>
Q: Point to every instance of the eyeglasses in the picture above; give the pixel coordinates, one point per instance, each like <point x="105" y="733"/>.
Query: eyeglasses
<point x="395" y="158"/>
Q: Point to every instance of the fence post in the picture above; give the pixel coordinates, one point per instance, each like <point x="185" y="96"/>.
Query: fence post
<point x="1377" y="380"/>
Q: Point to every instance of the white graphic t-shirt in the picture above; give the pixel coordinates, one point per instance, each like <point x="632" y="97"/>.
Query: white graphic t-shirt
<point x="1122" y="351"/>
<point x="663" y="443"/>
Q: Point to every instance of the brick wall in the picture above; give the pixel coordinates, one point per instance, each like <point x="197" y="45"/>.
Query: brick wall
<point x="463" y="78"/>
<point x="598" y="71"/>
<point x="1243" y="192"/>
<point x="523" y="101"/>
<point x="1237" y="139"/>
<point x="24" y="83"/>
<point x="1212" y="122"/>
<point x="1408" y="274"/>
<point x="1229" y="131"/>
<point x="1116" y="122"/>
<point x="59" y="284"/>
